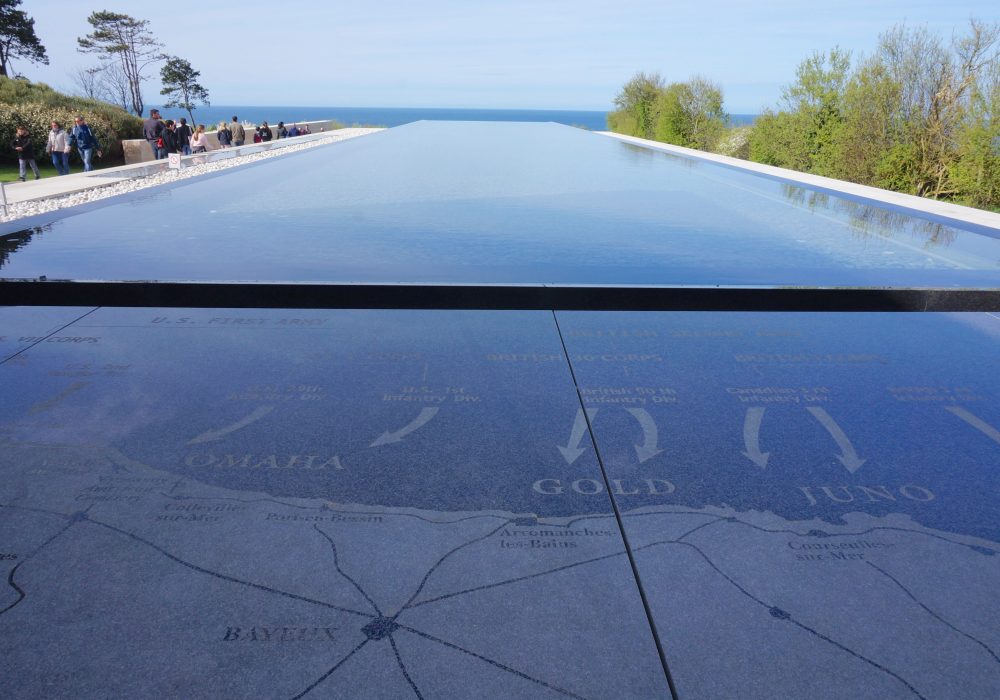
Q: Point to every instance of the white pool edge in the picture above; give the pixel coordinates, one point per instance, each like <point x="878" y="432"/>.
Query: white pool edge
<point x="920" y="205"/>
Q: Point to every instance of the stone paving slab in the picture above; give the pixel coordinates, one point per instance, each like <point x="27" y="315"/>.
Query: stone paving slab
<point x="22" y="327"/>
<point x="811" y="499"/>
<point x="346" y="504"/>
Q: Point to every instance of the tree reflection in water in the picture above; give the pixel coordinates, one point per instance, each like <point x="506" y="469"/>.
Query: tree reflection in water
<point x="867" y="220"/>
<point x="12" y="242"/>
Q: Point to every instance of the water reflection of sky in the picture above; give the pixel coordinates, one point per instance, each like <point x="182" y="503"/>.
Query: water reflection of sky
<point x="501" y="203"/>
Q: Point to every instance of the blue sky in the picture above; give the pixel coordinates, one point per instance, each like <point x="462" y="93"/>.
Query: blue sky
<point x="558" y="54"/>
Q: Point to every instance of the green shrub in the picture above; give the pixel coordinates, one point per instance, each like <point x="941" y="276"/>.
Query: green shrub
<point x="735" y="142"/>
<point x="622" y="122"/>
<point x="35" y="105"/>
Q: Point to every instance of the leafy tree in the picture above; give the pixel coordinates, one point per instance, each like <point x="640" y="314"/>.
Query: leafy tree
<point x="869" y="126"/>
<point x="920" y="115"/>
<point x="637" y="100"/>
<point x="819" y="82"/>
<point x="708" y="118"/>
<point x="976" y="172"/>
<point x="180" y="85"/>
<point x="686" y="114"/>
<point x="781" y="139"/>
<point x="121" y="39"/>
<point x="811" y="118"/>
<point x="914" y="109"/>
<point x="938" y="84"/>
<point x="17" y="37"/>
<point x="672" y="121"/>
<point x="697" y="116"/>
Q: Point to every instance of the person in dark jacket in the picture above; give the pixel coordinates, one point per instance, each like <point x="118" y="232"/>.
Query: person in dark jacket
<point x="25" y="154"/>
<point x="85" y="142"/>
<point x="152" y="129"/>
<point x="183" y="132"/>
<point x="224" y="135"/>
<point x="265" y="132"/>
<point x="171" y="138"/>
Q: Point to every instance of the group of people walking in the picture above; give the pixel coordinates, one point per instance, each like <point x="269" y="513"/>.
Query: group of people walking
<point x="59" y="146"/>
<point x="264" y="133"/>
<point x="235" y="134"/>
<point x="165" y="136"/>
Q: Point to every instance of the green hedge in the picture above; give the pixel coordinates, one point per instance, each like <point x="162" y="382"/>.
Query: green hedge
<point x="35" y="105"/>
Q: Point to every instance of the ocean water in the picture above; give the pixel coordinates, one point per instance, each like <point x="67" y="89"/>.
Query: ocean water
<point x="397" y="116"/>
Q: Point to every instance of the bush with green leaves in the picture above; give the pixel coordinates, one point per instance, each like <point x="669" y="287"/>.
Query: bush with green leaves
<point x="735" y="142"/>
<point x="920" y="115"/>
<point x="35" y="105"/>
<point x="685" y="114"/>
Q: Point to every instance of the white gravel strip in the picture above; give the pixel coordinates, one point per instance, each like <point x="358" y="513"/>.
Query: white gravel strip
<point x="21" y="210"/>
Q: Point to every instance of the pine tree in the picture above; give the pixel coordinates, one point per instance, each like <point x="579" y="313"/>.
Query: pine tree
<point x="17" y="37"/>
<point x="180" y="85"/>
<point x="128" y="41"/>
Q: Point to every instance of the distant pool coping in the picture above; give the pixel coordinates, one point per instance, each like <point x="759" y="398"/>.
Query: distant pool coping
<point x="980" y="220"/>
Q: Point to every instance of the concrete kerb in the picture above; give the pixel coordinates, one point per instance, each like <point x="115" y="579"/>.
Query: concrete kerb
<point x="50" y="187"/>
<point x="947" y="211"/>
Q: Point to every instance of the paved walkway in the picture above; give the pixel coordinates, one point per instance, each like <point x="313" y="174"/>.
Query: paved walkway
<point x="58" y="186"/>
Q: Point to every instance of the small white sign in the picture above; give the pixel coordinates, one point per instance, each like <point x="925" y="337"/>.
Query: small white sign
<point x="174" y="161"/>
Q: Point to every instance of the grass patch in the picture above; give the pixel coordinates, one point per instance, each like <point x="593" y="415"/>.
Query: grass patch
<point x="9" y="172"/>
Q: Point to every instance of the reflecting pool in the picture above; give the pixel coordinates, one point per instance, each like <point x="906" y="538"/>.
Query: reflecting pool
<point x="505" y="203"/>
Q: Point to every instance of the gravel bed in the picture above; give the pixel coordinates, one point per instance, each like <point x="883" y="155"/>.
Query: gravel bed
<point x="21" y="210"/>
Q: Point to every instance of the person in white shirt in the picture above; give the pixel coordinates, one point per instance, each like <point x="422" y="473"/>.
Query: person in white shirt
<point x="199" y="141"/>
<point x="58" y="147"/>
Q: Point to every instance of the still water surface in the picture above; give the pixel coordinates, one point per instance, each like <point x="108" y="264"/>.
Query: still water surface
<point x="464" y="202"/>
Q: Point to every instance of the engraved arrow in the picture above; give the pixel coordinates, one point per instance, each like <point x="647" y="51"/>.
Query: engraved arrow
<point x="573" y="450"/>
<point x="650" y="435"/>
<point x="751" y="436"/>
<point x="387" y="438"/>
<point x="53" y="402"/>
<point x="976" y="422"/>
<point x="213" y="435"/>
<point x="848" y="457"/>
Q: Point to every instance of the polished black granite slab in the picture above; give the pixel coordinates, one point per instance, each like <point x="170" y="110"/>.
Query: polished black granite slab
<point x="21" y="328"/>
<point x="358" y="504"/>
<point x="811" y="499"/>
<point x="499" y="203"/>
<point x="340" y="504"/>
